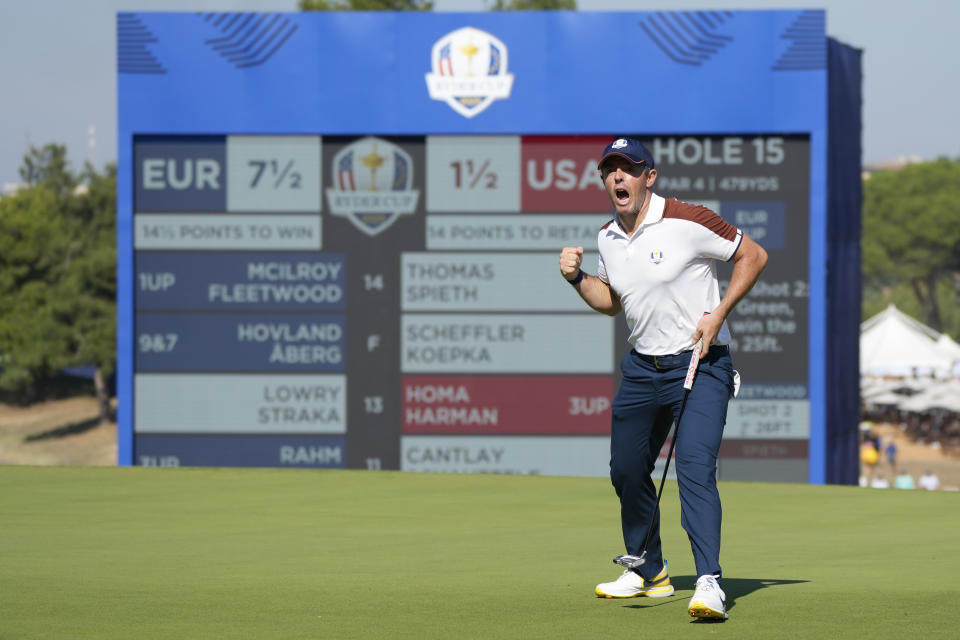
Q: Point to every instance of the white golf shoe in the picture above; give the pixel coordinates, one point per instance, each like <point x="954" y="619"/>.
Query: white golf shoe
<point x="708" y="599"/>
<point x="632" y="585"/>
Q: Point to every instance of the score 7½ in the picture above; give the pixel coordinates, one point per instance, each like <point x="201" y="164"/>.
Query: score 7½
<point x="276" y="172"/>
<point x="157" y="342"/>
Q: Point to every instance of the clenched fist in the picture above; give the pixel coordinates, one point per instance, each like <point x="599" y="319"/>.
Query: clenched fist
<point x="570" y="259"/>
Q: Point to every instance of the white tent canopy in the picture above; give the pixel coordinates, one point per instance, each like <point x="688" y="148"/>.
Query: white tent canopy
<point x="944" y="396"/>
<point x="894" y="344"/>
<point x="946" y="344"/>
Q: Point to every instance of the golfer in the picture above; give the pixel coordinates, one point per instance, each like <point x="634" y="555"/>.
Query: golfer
<point x="658" y="264"/>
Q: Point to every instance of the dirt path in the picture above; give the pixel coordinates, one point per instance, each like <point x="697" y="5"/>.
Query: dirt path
<point x="57" y="432"/>
<point x="917" y="458"/>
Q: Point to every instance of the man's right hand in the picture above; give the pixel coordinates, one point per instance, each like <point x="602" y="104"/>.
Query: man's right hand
<point x="570" y="259"/>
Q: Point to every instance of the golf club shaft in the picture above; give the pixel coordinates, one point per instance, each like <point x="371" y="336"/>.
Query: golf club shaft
<point x="687" y="386"/>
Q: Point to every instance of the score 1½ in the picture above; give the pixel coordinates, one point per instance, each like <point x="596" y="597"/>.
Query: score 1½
<point x="473" y="174"/>
<point x="465" y="174"/>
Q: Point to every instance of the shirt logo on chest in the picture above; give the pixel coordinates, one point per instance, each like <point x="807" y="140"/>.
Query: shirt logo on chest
<point x="656" y="257"/>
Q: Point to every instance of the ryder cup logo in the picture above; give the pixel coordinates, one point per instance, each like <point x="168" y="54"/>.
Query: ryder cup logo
<point x="373" y="180"/>
<point x="619" y="144"/>
<point x="469" y="71"/>
<point x="656" y="257"/>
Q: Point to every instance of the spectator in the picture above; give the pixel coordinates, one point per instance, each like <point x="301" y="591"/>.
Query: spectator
<point x="929" y="481"/>
<point x="891" y="452"/>
<point x="903" y="480"/>
<point x="879" y="482"/>
<point x="869" y="458"/>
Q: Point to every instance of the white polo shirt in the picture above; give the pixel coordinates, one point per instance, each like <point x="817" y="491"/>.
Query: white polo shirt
<point x="666" y="274"/>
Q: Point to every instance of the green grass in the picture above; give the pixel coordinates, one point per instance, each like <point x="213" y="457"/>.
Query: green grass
<point x="201" y="553"/>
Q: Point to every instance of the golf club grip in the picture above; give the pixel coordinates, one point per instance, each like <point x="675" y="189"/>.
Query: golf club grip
<point x="694" y="361"/>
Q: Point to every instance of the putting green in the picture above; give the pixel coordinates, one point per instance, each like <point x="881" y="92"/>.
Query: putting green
<point x="202" y="553"/>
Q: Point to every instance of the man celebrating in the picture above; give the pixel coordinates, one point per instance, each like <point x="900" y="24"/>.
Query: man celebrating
<point x="658" y="264"/>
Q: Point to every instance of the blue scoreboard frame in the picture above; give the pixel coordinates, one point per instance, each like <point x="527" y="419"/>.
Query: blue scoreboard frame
<point x="271" y="155"/>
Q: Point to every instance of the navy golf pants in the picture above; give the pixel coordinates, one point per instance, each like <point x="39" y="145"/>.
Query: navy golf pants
<point x="643" y="410"/>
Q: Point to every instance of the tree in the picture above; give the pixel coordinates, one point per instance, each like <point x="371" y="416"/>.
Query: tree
<point x="90" y="282"/>
<point x="910" y="234"/>
<point x="31" y="244"/>
<point x="58" y="274"/>
<point x="48" y="167"/>
<point x="365" y="5"/>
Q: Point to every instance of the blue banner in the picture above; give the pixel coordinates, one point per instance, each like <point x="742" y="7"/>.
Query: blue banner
<point x="316" y="452"/>
<point x="187" y="175"/>
<point x="240" y="343"/>
<point x="242" y="281"/>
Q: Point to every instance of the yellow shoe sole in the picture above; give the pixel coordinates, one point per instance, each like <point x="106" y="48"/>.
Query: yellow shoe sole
<point x="700" y="610"/>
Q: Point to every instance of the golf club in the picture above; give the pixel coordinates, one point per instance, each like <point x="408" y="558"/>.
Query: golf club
<point x="631" y="561"/>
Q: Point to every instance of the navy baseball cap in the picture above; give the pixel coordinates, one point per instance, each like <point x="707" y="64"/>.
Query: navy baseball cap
<point x="629" y="148"/>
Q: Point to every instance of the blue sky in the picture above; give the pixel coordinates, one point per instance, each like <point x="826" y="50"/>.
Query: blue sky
<point x="59" y="69"/>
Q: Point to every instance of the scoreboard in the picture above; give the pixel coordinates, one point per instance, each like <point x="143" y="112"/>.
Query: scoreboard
<point x="403" y="308"/>
<point x="310" y="286"/>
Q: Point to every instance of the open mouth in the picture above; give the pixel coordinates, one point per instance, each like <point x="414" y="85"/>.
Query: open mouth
<point x="622" y="195"/>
